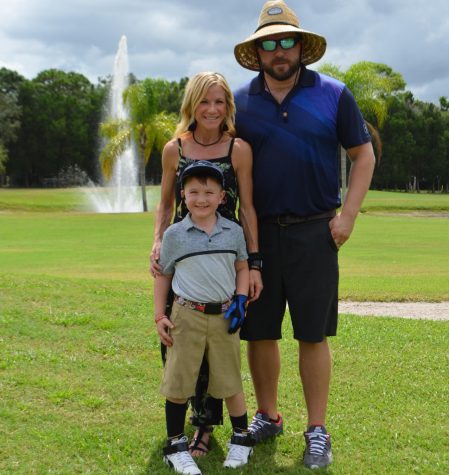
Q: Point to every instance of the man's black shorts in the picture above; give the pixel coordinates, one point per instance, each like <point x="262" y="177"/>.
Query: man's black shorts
<point x="300" y="267"/>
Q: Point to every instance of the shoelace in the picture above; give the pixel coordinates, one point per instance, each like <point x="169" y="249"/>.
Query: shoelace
<point x="257" y="424"/>
<point x="317" y="443"/>
<point x="185" y="460"/>
<point x="237" y="452"/>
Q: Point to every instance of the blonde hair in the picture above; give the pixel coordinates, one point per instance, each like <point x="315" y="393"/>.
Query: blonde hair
<point x="195" y="92"/>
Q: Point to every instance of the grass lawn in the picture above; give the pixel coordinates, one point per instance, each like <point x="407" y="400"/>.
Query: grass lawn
<point x="80" y="365"/>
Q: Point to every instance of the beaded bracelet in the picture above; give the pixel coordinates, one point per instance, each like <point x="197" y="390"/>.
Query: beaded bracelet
<point x="159" y="318"/>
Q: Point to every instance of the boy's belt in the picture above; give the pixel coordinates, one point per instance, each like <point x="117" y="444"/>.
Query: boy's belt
<point x="213" y="308"/>
<point x="288" y="219"/>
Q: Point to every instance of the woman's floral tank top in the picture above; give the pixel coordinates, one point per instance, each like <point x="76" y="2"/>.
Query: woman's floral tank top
<point x="226" y="209"/>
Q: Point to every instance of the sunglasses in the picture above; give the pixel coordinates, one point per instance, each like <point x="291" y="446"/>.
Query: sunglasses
<point x="284" y="43"/>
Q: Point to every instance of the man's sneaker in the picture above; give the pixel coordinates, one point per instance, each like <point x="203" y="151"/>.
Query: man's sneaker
<point x="263" y="428"/>
<point x="177" y="456"/>
<point x="318" y="451"/>
<point x="240" y="450"/>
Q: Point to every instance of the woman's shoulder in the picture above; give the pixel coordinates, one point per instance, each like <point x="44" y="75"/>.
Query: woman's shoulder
<point x="241" y="146"/>
<point x="241" y="152"/>
<point x="171" y="146"/>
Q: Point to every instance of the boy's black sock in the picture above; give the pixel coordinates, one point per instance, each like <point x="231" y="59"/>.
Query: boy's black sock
<point x="175" y="416"/>
<point x="240" y="423"/>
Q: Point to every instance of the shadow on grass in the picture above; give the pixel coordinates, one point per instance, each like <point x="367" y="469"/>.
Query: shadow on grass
<point x="263" y="462"/>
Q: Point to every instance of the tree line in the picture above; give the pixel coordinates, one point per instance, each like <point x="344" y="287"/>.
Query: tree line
<point x="49" y="127"/>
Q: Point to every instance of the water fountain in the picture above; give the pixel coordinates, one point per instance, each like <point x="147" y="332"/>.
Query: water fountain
<point x="121" y="194"/>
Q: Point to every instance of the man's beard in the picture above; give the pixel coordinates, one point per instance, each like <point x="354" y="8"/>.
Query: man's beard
<point x="283" y="75"/>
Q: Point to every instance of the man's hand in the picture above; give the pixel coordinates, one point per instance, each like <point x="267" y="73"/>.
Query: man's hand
<point x="236" y="313"/>
<point x="341" y="228"/>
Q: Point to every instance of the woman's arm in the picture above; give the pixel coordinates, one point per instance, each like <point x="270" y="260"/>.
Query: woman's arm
<point x="242" y="161"/>
<point x="164" y="210"/>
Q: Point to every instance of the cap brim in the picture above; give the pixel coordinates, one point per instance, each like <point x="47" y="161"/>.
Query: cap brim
<point x="205" y="172"/>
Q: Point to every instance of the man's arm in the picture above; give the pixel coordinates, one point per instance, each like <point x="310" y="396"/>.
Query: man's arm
<point x="362" y="167"/>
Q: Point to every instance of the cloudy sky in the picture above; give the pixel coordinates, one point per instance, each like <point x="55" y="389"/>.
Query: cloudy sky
<point x="176" y="38"/>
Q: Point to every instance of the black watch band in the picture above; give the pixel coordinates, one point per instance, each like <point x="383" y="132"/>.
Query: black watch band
<point x="255" y="261"/>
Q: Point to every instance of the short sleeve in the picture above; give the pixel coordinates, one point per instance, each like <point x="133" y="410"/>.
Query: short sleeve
<point x="351" y="127"/>
<point x="242" y="255"/>
<point x="167" y="255"/>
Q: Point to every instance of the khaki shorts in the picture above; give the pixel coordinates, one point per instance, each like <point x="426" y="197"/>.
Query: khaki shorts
<point x="197" y="334"/>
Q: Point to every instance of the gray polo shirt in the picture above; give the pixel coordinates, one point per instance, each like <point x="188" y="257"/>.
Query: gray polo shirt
<point x="203" y="264"/>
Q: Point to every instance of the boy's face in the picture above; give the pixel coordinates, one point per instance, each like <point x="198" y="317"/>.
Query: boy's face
<point x="202" y="198"/>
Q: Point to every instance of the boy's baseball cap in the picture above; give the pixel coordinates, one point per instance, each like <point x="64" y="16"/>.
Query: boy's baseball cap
<point x="205" y="169"/>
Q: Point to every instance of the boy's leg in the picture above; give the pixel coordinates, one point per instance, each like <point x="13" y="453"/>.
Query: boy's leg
<point x="175" y="416"/>
<point x="176" y="450"/>
<point x="242" y="442"/>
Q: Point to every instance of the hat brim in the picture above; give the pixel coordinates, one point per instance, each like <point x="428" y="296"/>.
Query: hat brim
<point x="313" y="46"/>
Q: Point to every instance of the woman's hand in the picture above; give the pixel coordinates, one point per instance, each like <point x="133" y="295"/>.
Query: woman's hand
<point x="164" y="325"/>
<point x="255" y="285"/>
<point x="155" y="268"/>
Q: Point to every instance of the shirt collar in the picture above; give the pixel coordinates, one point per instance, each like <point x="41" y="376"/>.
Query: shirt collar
<point x="221" y="224"/>
<point x="306" y="79"/>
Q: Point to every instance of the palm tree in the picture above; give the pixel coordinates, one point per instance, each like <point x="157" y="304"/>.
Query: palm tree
<point x="372" y="85"/>
<point x="148" y="128"/>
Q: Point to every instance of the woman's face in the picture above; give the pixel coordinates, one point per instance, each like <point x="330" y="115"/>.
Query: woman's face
<point x="211" y="111"/>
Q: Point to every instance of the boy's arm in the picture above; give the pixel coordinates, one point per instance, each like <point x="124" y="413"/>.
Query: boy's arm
<point x="242" y="278"/>
<point x="162" y="285"/>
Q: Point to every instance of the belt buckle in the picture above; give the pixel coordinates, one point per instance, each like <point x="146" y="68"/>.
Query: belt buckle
<point x="279" y="222"/>
<point x="212" y="308"/>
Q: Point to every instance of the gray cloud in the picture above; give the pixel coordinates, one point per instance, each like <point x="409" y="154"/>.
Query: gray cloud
<point x="177" y="38"/>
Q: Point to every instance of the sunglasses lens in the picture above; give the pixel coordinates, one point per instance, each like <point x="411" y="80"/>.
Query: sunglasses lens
<point x="271" y="45"/>
<point x="287" y="43"/>
<point x="268" y="45"/>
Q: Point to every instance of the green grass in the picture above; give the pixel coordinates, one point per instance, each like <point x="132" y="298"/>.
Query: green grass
<point x="73" y="199"/>
<point x="399" y="258"/>
<point x="80" y="365"/>
<point x="389" y="201"/>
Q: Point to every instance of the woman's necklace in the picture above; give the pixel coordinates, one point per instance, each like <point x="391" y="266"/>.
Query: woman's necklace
<point x="206" y="144"/>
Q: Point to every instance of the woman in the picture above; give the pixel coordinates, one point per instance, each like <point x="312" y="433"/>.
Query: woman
<point x="206" y="132"/>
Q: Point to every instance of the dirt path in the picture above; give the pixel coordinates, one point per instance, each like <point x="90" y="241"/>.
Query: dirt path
<point x="417" y="310"/>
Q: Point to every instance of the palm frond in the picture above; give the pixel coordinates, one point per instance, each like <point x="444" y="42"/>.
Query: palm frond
<point x="112" y="151"/>
<point x="110" y="128"/>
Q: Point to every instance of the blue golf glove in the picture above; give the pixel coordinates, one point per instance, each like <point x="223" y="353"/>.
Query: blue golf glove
<point x="236" y="313"/>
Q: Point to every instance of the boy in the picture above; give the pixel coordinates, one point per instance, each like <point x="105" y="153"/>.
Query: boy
<point x="203" y="259"/>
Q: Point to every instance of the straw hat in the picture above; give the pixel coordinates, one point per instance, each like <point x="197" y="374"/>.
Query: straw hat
<point x="277" y="17"/>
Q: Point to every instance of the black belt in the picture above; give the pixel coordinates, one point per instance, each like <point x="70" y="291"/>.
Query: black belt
<point x="289" y="219"/>
<point x="213" y="308"/>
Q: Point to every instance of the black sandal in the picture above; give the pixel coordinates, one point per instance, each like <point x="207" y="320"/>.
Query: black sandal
<point x="198" y="440"/>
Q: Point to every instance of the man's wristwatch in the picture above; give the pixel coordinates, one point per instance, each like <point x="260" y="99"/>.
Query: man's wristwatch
<point x="255" y="261"/>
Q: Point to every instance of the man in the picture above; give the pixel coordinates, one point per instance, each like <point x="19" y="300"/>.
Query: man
<point x="295" y="119"/>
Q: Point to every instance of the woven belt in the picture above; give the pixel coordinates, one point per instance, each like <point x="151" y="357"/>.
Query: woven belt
<point x="289" y="219"/>
<point x="213" y="308"/>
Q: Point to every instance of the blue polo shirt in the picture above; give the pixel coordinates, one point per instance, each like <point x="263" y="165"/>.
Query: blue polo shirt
<point x="295" y="143"/>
